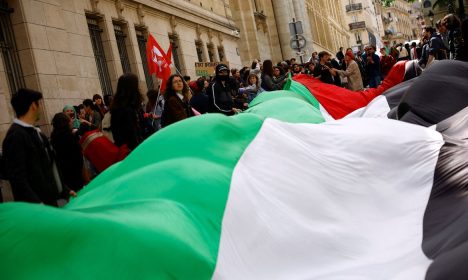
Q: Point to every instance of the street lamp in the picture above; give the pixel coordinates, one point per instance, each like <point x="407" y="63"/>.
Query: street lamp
<point x="431" y="17"/>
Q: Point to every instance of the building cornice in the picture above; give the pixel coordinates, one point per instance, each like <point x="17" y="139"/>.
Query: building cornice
<point x="189" y="13"/>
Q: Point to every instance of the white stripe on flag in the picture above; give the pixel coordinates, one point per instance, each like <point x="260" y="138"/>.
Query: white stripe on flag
<point x="325" y="113"/>
<point x="343" y="200"/>
<point x="377" y="108"/>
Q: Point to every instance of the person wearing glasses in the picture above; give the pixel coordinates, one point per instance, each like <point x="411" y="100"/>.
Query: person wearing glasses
<point x="177" y="101"/>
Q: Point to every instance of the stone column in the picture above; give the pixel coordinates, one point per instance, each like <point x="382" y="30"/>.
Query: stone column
<point x="300" y="11"/>
<point x="285" y="11"/>
<point x="283" y="15"/>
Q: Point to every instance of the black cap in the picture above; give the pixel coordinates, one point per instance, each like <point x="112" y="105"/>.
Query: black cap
<point x="221" y="67"/>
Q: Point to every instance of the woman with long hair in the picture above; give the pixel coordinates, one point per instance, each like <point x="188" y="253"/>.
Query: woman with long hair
<point x="68" y="152"/>
<point x="267" y="81"/>
<point x="127" y="113"/>
<point x="177" y="101"/>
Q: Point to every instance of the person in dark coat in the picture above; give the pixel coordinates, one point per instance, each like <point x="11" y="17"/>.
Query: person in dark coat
<point x="177" y="101"/>
<point x="28" y="157"/>
<point x="199" y="100"/>
<point x="68" y="151"/>
<point x="220" y="92"/>
<point x="268" y="82"/>
<point x="340" y="56"/>
<point x="372" y="62"/>
<point x="127" y="113"/>
<point x="458" y="45"/>
<point x="324" y="70"/>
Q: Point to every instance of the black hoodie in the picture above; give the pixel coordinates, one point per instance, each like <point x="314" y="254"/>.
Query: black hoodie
<point x="219" y="94"/>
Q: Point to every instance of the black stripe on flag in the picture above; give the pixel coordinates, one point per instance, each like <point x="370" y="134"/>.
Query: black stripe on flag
<point x="440" y="92"/>
<point x="445" y="226"/>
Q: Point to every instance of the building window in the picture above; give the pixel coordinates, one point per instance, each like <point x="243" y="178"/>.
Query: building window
<point x="174" y="39"/>
<point x="211" y="53"/>
<point x="221" y="53"/>
<point x="199" y="47"/>
<point x="141" y="38"/>
<point x="8" y="49"/>
<point x="358" y="38"/>
<point x="120" y="37"/>
<point x="98" y="49"/>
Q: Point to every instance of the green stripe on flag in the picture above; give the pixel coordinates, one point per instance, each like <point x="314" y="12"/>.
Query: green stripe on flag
<point x="156" y="215"/>
<point x="269" y="103"/>
<point x="301" y="90"/>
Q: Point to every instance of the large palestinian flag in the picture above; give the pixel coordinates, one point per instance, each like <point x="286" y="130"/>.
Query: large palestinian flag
<point x="273" y="193"/>
<point x="435" y="95"/>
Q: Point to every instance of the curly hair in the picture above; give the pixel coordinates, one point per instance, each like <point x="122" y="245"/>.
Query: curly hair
<point x="171" y="92"/>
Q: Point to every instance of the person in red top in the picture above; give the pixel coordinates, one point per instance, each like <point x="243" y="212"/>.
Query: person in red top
<point x="386" y="62"/>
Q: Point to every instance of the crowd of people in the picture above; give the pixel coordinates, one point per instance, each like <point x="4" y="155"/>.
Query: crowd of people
<point x="43" y="171"/>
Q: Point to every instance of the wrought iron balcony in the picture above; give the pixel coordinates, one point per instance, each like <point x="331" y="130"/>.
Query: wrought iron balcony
<point x="357" y="25"/>
<point x="353" y="7"/>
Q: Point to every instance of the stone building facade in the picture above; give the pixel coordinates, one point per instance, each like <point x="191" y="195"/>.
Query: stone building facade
<point x="265" y="32"/>
<point x="257" y="29"/>
<point x="72" y="49"/>
<point x="328" y="25"/>
<point x="399" y="22"/>
<point x="364" y="21"/>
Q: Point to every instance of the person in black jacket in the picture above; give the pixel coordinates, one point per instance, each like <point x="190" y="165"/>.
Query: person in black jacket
<point x="220" y="92"/>
<point x="324" y="70"/>
<point x="126" y="111"/>
<point x="68" y="151"/>
<point x="29" y="159"/>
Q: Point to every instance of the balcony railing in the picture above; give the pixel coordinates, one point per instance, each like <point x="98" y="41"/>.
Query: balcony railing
<point x="353" y="7"/>
<point x="357" y="25"/>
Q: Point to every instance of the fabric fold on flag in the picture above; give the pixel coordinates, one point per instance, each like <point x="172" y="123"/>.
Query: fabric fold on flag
<point x="339" y="102"/>
<point x="271" y="193"/>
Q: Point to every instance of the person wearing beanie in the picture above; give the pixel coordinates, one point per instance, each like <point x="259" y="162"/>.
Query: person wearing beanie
<point x="352" y="73"/>
<point x="220" y="92"/>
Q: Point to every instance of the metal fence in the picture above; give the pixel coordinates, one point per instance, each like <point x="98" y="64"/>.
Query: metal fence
<point x="120" y="37"/>
<point x="144" y="61"/>
<point x="99" y="55"/>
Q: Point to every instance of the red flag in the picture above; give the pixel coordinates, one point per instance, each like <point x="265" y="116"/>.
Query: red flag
<point x="159" y="62"/>
<point x="167" y="70"/>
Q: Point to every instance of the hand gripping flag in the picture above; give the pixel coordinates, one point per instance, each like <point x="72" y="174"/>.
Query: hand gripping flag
<point x="159" y="62"/>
